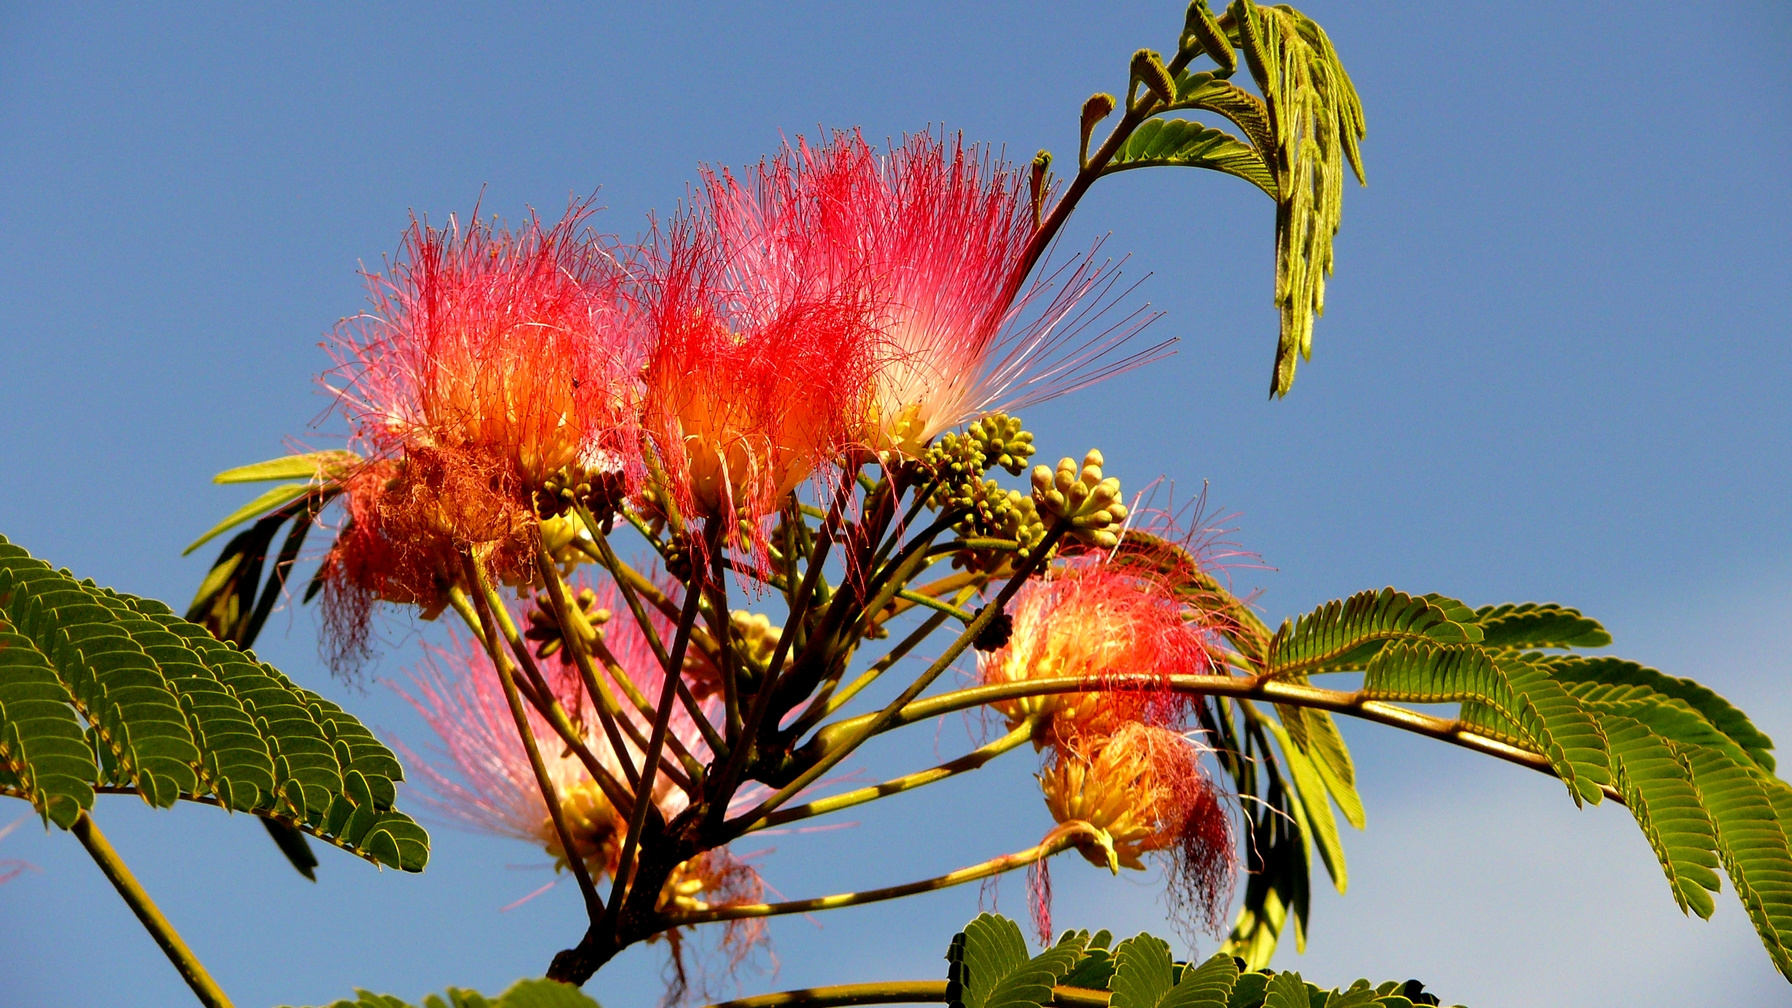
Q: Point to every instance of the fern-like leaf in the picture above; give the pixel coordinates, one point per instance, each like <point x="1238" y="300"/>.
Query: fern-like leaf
<point x="1317" y="120"/>
<point x="1208" y="985"/>
<point x="1142" y="973"/>
<point x="1657" y="786"/>
<point x="1608" y="678"/>
<point x="1752" y="843"/>
<point x="165" y="711"/>
<point x="1537" y="625"/>
<point x="1344" y="634"/>
<point x="1186" y="144"/>
<point x="988" y="949"/>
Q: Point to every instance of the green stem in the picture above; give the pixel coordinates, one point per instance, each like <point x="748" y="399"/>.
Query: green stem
<point x="930" y="602"/>
<point x="1354" y="704"/>
<point x="908" y="782"/>
<point x="827" y="701"/>
<point x="204" y="987"/>
<point x="1059" y="839"/>
<point x="896" y="992"/>
<point x="662" y="724"/>
<point x="594" y="906"/>
<point x="541" y="697"/>
<point x="832" y="755"/>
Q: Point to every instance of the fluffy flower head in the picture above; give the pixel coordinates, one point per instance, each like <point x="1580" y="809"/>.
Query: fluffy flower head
<point x="492" y="359"/>
<point x="1096" y="621"/>
<point x="755" y="376"/>
<point x="936" y="235"/>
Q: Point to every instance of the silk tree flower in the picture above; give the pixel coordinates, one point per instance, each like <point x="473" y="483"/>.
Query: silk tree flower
<point x="936" y="233"/>
<point x="486" y="783"/>
<point x="1143" y="789"/>
<point x="1095" y="620"/>
<point x="491" y="360"/>
<point x="755" y="379"/>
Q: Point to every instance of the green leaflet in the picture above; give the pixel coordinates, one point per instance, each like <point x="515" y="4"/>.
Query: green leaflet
<point x="1657" y="786"/>
<point x="1182" y="143"/>
<point x="44" y="755"/>
<point x="270" y="500"/>
<point x="1208" y="985"/>
<point x="1545" y="716"/>
<point x="103" y="689"/>
<point x="1314" y="808"/>
<point x="320" y="465"/>
<point x="1286" y="990"/>
<point x="1142" y="973"/>
<point x="1343" y="634"/>
<point x="1537" y="625"/>
<point x="1752" y="843"/>
<point x="1138" y="973"/>
<point x="1585" y="675"/>
<point x="1317" y="122"/>
<point x="988" y="949"/>
<point x="537" y="993"/>
<point x="1095" y="967"/>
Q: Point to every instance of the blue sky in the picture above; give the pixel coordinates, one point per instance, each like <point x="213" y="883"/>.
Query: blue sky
<point x="1555" y="366"/>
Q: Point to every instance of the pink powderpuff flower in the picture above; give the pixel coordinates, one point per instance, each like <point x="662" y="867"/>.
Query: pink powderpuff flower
<point x="936" y="233"/>
<point x="755" y="381"/>
<point x="491" y="360"/>
<point x="1099" y="621"/>
<point x="487" y="784"/>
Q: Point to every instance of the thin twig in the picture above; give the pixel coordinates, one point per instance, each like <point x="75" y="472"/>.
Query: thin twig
<point x="119" y="874"/>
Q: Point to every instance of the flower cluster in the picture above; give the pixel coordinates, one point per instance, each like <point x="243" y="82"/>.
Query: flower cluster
<point x="1118" y="758"/>
<point x="485" y="780"/>
<point x="834" y="302"/>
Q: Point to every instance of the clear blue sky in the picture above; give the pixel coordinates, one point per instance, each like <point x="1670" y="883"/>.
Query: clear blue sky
<point x="1555" y="366"/>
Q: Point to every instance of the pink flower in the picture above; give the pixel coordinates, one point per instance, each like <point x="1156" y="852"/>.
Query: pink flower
<point x="486" y="782"/>
<point x="1097" y="620"/>
<point x="757" y="376"/>
<point x="491" y="360"/>
<point x="934" y="234"/>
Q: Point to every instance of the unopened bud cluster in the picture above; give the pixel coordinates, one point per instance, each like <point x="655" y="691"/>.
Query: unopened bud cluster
<point x="545" y="628"/>
<point x="1089" y="504"/>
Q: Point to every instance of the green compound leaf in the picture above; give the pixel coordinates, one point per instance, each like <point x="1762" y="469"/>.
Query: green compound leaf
<point x="1506" y="694"/>
<point x="1752" y="843"/>
<point x="1208" y="985"/>
<point x="317" y="472"/>
<point x="1657" y="786"/>
<point x="1537" y="625"/>
<point x="1094" y="969"/>
<point x="536" y="993"/>
<point x="272" y="499"/>
<point x="1344" y="634"/>
<point x="1317" y="121"/>
<point x="1030" y="984"/>
<point x="1316" y="820"/>
<point x="102" y="690"/>
<point x="1142" y="972"/>
<point x="988" y="949"/>
<point x="1161" y="143"/>
<point x="1287" y="990"/>
<point x="1606" y="678"/>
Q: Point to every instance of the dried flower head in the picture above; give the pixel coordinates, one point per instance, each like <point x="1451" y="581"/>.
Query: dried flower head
<point x="1144" y="792"/>
<point x="1093" y="620"/>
